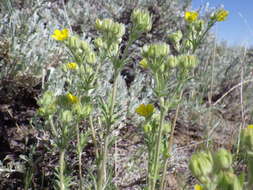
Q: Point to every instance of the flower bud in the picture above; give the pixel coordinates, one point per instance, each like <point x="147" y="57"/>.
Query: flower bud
<point x="66" y="116"/>
<point x="144" y="63"/>
<point x="118" y="30"/>
<point x="113" y="49"/>
<point x="176" y="36"/>
<point x="188" y="61"/>
<point x="247" y="138"/>
<point x="99" y="43"/>
<point x="199" y="25"/>
<point x="172" y="61"/>
<point x="188" y="44"/>
<point x="147" y="128"/>
<point x="98" y="24"/>
<point x="156" y="51"/>
<point x="111" y="31"/>
<point x="201" y="164"/>
<point x="229" y="181"/>
<point x="222" y="159"/>
<point x="91" y="58"/>
<point x="84" y="46"/>
<point x="167" y="127"/>
<point x="74" y="42"/>
<point x="141" y="20"/>
<point x="220" y="15"/>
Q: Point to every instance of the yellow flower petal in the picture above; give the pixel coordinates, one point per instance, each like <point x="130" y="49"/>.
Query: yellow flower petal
<point x="191" y="16"/>
<point x="60" y="35"/>
<point x="71" y="98"/>
<point x="72" y="66"/>
<point x="144" y="63"/>
<point x="250" y="126"/>
<point x="221" y="15"/>
<point x="145" y="110"/>
<point x="198" y="187"/>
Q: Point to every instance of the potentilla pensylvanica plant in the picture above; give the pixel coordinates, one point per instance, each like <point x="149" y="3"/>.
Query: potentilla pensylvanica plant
<point x="214" y="171"/>
<point x="65" y="112"/>
<point x="164" y="66"/>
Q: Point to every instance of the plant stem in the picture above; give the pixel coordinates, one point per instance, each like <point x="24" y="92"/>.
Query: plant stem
<point x="62" y="168"/>
<point x="102" y="176"/>
<point x="79" y="158"/>
<point x="94" y="136"/>
<point x="174" y="123"/>
<point x="158" y="144"/>
<point x="250" y="172"/>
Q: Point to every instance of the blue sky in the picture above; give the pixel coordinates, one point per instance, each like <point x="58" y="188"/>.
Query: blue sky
<point x="238" y="29"/>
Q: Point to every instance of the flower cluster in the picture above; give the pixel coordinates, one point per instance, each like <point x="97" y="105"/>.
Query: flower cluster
<point x="156" y="51"/>
<point x="112" y="31"/>
<point x="141" y="20"/>
<point x="220" y="15"/>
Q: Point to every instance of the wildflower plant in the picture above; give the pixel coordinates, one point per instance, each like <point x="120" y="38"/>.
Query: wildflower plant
<point x="214" y="171"/>
<point x="65" y="112"/>
<point x="162" y="65"/>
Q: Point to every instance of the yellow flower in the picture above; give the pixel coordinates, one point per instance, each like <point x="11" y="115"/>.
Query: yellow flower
<point x="71" y="98"/>
<point x="144" y="63"/>
<point x="221" y="15"/>
<point x="191" y="16"/>
<point x="198" y="187"/>
<point x="145" y="110"/>
<point x="60" y="35"/>
<point x="250" y="126"/>
<point x="72" y="66"/>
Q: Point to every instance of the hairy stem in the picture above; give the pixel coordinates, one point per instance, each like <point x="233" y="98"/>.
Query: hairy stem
<point x="62" y="168"/>
<point x="158" y="144"/>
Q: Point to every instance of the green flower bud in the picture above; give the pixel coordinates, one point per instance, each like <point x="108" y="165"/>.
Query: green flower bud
<point x="187" y="61"/>
<point x="113" y="49"/>
<point x="247" y="138"/>
<point x="107" y="24"/>
<point x="229" y="181"/>
<point x="156" y="51"/>
<point x="172" y="61"/>
<point x="74" y="42"/>
<point x="147" y="128"/>
<point x="99" y="43"/>
<point x="199" y="25"/>
<point x="176" y="36"/>
<point x="66" y="116"/>
<point x="167" y="127"/>
<point x="98" y="24"/>
<point x="111" y="31"/>
<point x="141" y="20"/>
<point x="118" y="30"/>
<point x="82" y="110"/>
<point x="91" y="58"/>
<point x="223" y="159"/>
<point x="188" y="44"/>
<point x="84" y="46"/>
<point x="201" y="164"/>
